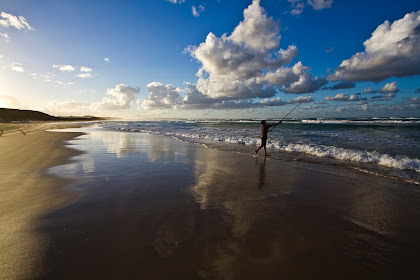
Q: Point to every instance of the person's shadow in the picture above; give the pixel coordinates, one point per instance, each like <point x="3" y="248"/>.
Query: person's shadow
<point x="261" y="172"/>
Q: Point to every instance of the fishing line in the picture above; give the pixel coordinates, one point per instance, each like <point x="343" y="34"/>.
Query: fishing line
<point x="303" y="100"/>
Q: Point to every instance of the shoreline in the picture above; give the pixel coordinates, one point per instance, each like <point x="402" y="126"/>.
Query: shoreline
<point x="155" y="206"/>
<point x="26" y="152"/>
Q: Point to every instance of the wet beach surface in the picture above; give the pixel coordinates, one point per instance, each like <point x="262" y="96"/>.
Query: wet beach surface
<point x="157" y="208"/>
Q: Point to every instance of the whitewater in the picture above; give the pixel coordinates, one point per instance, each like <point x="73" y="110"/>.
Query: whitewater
<point x="382" y="146"/>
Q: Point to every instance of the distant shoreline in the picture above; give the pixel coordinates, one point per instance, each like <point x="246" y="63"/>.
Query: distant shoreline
<point x="13" y="115"/>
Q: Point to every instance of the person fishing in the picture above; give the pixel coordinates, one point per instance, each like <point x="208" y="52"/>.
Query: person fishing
<point x="264" y="131"/>
<point x="265" y="127"/>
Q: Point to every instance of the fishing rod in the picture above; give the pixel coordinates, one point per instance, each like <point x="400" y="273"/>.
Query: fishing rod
<point x="303" y="100"/>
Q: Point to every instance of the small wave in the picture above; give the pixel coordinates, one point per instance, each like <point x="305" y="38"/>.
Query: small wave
<point x="385" y="160"/>
<point x="373" y="121"/>
<point x="243" y="138"/>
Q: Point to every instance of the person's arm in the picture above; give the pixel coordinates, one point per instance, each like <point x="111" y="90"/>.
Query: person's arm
<point x="274" y="125"/>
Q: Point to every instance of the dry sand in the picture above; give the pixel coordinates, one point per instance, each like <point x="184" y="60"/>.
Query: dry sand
<point x="26" y="191"/>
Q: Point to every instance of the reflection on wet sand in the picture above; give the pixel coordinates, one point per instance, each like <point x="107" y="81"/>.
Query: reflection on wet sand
<point x="261" y="171"/>
<point x="120" y="144"/>
<point x="231" y="191"/>
<point x="172" y="208"/>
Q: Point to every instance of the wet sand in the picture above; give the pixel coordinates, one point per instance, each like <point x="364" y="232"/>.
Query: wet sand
<point x="26" y="192"/>
<point x="150" y="207"/>
<point x="157" y="208"/>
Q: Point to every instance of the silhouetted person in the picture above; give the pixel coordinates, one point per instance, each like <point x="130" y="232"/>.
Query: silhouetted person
<point x="264" y="130"/>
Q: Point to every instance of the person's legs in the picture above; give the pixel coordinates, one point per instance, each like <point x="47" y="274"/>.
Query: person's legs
<point x="256" y="151"/>
<point x="263" y="143"/>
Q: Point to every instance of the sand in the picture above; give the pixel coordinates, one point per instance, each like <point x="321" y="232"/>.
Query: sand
<point x="157" y="208"/>
<point x="26" y="192"/>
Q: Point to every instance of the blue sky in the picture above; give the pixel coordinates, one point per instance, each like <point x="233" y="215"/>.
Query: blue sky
<point x="207" y="59"/>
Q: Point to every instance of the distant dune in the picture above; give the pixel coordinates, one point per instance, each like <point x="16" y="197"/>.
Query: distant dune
<point x="8" y="115"/>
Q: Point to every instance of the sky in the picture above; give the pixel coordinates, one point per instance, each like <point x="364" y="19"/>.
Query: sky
<point x="211" y="58"/>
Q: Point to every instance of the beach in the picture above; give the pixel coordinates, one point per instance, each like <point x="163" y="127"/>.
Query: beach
<point x="109" y="204"/>
<point x="26" y="150"/>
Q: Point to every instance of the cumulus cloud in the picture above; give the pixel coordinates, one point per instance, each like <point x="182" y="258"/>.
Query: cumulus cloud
<point x="238" y="70"/>
<point x="343" y="97"/>
<point x="84" y="75"/>
<point x="344" y="85"/>
<point x="85" y="69"/>
<point x="8" y="20"/>
<point x="248" y="63"/>
<point x="196" y="11"/>
<point x="120" y="97"/>
<point x="393" y="50"/>
<point x="257" y="31"/>
<point x="161" y="96"/>
<point x="389" y="87"/>
<point x="106" y="59"/>
<point x="64" y="68"/>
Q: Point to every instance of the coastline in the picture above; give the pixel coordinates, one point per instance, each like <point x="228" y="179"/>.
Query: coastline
<point x="26" y="151"/>
<point x="154" y="207"/>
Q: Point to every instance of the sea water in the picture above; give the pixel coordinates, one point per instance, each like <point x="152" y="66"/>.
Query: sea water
<point x="382" y="146"/>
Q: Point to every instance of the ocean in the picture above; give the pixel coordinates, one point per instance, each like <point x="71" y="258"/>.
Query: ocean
<point x="388" y="147"/>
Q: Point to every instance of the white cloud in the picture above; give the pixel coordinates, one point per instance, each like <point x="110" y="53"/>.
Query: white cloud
<point x="10" y="102"/>
<point x="393" y="50"/>
<point x="177" y="1"/>
<point x="64" y="68"/>
<point x="299" y="5"/>
<point x="294" y="80"/>
<point x="85" y="69"/>
<point x="278" y="102"/>
<point x="257" y="31"/>
<point x="61" y="83"/>
<point x="320" y="4"/>
<point x="369" y="90"/>
<point x="106" y="59"/>
<point x="68" y="108"/>
<point x="343" y="97"/>
<point x="389" y="87"/>
<point x="17" y="67"/>
<point x="121" y="97"/>
<point x="238" y="68"/>
<point x="196" y="11"/>
<point x="9" y="20"/>
<point x="161" y="96"/>
<point x="5" y="35"/>
<point x="84" y="75"/>
<point x="414" y="102"/>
